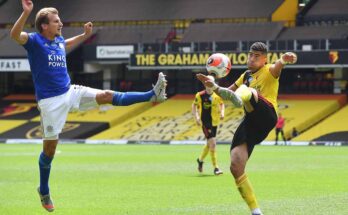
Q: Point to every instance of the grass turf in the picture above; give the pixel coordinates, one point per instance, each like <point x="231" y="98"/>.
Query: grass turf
<point x="162" y="179"/>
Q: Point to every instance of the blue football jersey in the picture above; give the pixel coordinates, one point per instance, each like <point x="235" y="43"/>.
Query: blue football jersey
<point x="47" y="61"/>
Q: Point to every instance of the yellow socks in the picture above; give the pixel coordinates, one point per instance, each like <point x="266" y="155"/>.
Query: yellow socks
<point x="204" y="152"/>
<point x="246" y="191"/>
<point x="213" y="158"/>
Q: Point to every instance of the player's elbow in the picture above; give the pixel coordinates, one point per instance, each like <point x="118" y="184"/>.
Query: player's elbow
<point x="15" y="36"/>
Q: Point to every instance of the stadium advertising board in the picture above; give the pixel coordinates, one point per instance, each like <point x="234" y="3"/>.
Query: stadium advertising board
<point x="14" y="65"/>
<point x="238" y="60"/>
<point x="114" y="52"/>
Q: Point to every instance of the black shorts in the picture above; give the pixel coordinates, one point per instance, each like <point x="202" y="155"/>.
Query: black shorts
<point x="256" y="125"/>
<point x="209" y="131"/>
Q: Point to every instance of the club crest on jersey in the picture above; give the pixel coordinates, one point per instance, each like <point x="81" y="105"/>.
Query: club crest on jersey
<point x="49" y="128"/>
<point x="61" y="45"/>
<point x="250" y="79"/>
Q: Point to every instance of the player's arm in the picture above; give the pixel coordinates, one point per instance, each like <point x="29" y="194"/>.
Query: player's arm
<point x="195" y="114"/>
<point x="73" y="41"/>
<point x="222" y="111"/>
<point x="225" y="93"/>
<point x="287" y="58"/>
<point x="17" y="33"/>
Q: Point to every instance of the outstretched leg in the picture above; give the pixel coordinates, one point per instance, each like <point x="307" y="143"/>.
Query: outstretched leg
<point x="239" y="158"/>
<point x="157" y="94"/>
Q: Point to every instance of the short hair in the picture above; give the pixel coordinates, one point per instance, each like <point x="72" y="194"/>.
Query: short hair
<point x="259" y="46"/>
<point x="42" y="17"/>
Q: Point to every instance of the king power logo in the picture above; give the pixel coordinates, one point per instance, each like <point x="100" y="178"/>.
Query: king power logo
<point x="55" y="60"/>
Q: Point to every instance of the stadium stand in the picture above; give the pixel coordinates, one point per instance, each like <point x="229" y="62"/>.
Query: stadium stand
<point x="224" y="32"/>
<point x="314" y="32"/>
<point x="328" y="7"/>
<point x="173" y="120"/>
<point x="122" y="10"/>
<point x="7" y="10"/>
<point x="6" y="125"/>
<point x="132" y="34"/>
<point x="150" y="24"/>
<point x="302" y="112"/>
<point x="334" y="128"/>
<point x="109" y="114"/>
<point x="323" y="12"/>
<point x="8" y="47"/>
<point x="161" y="122"/>
<point x="19" y="117"/>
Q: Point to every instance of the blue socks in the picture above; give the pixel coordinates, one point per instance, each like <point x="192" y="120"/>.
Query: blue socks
<point x="45" y="168"/>
<point x="128" y="98"/>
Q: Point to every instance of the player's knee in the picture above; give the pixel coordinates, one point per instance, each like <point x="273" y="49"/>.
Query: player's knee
<point x="212" y="147"/>
<point x="247" y="94"/>
<point x="49" y="147"/>
<point x="49" y="152"/>
<point x="233" y="168"/>
<point x="236" y="168"/>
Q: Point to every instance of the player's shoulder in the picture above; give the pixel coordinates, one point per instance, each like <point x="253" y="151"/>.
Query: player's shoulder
<point x="59" y="39"/>
<point x="267" y="66"/>
<point x="33" y="35"/>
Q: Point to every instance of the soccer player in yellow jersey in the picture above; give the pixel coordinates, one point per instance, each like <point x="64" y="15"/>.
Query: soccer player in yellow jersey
<point x="208" y="109"/>
<point x="256" y="90"/>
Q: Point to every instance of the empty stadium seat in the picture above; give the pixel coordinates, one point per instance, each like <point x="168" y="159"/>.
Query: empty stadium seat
<point x="112" y="10"/>
<point x="314" y="32"/>
<point x="223" y="32"/>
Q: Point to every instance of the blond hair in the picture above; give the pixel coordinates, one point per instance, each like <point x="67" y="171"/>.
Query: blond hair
<point x="42" y="17"/>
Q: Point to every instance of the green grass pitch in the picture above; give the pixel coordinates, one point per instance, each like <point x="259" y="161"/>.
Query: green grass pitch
<point x="163" y="179"/>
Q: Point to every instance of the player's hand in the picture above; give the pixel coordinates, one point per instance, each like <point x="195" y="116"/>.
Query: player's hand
<point x="289" y="58"/>
<point x="88" y="28"/>
<point x="222" y="117"/>
<point x="205" y="80"/>
<point x="27" y="6"/>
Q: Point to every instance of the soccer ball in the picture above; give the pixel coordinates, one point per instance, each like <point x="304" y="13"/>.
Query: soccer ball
<point x="218" y="65"/>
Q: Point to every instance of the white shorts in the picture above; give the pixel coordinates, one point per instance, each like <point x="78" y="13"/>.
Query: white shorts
<point x="54" y="110"/>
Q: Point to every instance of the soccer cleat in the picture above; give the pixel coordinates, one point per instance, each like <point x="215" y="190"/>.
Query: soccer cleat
<point x="256" y="211"/>
<point x="160" y="89"/>
<point x="200" y="165"/>
<point x="46" y="201"/>
<point x="217" y="171"/>
<point x="228" y="94"/>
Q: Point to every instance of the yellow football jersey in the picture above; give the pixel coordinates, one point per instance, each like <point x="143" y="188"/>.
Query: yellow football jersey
<point x="264" y="82"/>
<point x="206" y="102"/>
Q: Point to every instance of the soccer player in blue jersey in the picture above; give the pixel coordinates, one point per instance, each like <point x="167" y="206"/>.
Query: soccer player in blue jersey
<point x="55" y="95"/>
